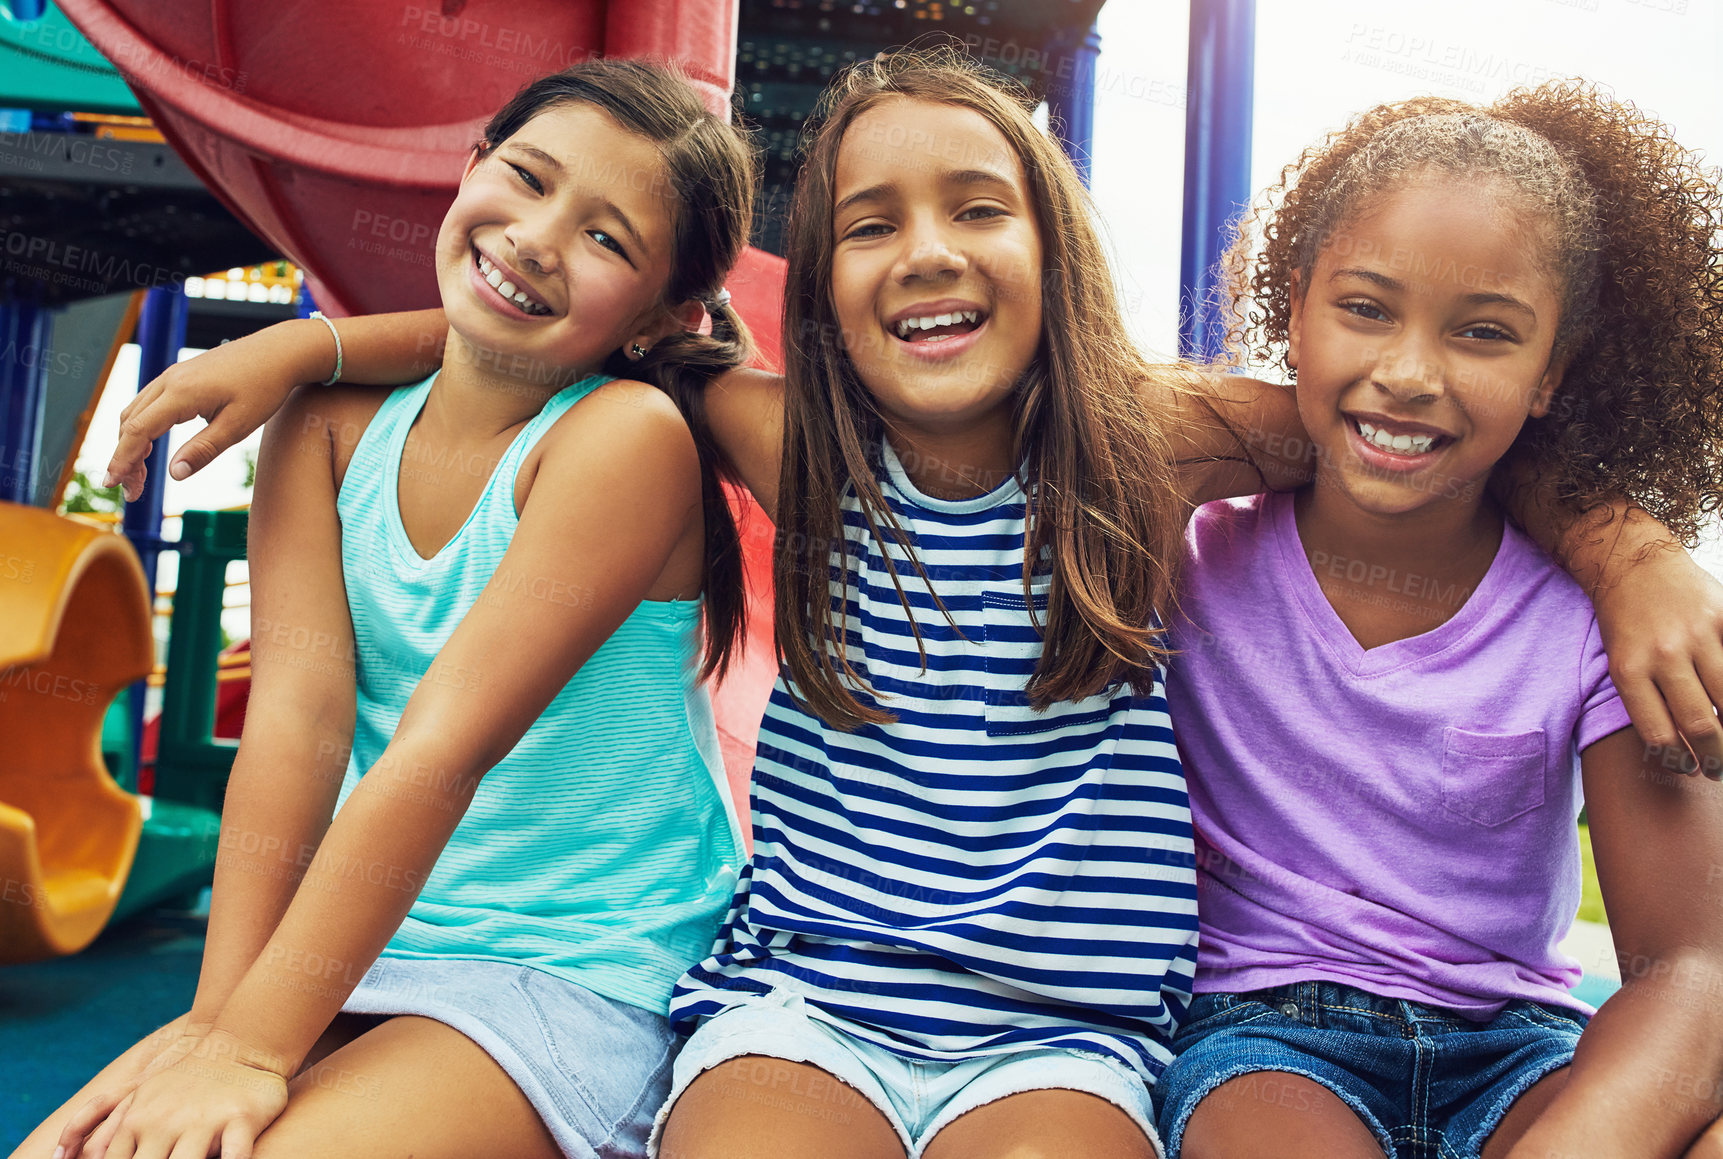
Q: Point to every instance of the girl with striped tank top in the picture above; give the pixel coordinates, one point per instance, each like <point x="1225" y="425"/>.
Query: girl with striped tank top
<point x="968" y="926"/>
<point x="477" y="642"/>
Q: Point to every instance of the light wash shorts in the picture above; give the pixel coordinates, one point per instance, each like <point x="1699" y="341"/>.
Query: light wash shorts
<point x="594" y="1069"/>
<point x="918" y="1099"/>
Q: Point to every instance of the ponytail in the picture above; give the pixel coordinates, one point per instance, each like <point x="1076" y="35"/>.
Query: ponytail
<point x="681" y="365"/>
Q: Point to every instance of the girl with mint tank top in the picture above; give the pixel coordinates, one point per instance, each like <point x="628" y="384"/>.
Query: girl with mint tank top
<point x="600" y="847"/>
<point x="478" y="823"/>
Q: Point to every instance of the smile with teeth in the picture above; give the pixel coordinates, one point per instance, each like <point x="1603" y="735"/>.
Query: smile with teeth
<point x="507" y="289"/>
<point x="949" y="325"/>
<point x="1395" y="444"/>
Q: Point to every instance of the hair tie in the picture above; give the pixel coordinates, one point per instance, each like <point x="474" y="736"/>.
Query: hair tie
<point x="721" y="298"/>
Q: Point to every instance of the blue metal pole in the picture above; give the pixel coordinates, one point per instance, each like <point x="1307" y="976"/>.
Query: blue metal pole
<point x="24" y="330"/>
<point x="1071" y="60"/>
<point x="161" y="333"/>
<point x="1220" y="93"/>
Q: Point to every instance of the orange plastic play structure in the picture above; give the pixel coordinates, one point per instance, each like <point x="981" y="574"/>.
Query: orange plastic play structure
<point x="76" y="631"/>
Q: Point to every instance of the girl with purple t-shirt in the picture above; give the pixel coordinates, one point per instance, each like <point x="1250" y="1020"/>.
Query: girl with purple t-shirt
<point x="1391" y="704"/>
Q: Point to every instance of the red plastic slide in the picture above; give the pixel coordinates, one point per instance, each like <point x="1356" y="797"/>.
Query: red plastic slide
<point x="337" y="131"/>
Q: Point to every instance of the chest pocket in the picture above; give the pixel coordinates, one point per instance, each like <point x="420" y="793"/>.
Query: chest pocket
<point x="1012" y="646"/>
<point x="1490" y="779"/>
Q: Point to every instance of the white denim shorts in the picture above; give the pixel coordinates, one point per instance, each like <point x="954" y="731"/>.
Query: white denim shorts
<point x="918" y="1098"/>
<point x="593" y="1068"/>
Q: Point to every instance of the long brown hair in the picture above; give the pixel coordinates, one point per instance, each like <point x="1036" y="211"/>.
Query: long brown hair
<point x="1102" y="513"/>
<point x="1630" y="225"/>
<point x="710" y="168"/>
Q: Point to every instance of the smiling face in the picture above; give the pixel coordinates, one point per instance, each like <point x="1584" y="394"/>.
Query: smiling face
<point x="559" y="244"/>
<point x="1422" y="343"/>
<point x="936" y="264"/>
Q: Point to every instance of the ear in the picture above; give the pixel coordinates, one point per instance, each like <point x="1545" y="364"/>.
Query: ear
<point x="677" y="319"/>
<point x="473" y="160"/>
<point x="1295" y="322"/>
<point x="1540" y="402"/>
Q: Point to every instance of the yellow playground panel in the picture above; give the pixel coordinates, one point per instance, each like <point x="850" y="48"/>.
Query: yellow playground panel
<point x="74" y="631"/>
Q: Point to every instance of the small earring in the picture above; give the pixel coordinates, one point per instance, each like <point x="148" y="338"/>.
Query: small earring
<point x="638" y="350"/>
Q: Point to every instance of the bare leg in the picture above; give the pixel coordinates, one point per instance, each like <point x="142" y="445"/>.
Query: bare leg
<point x="1048" y="1124"/>
<point x="754" y="1106"/>
<point x="1525" y="1111"/>
<point x="1276" y="1115"/>
<point x="408" y="1087"/>
<point x="1710" y="1144"/>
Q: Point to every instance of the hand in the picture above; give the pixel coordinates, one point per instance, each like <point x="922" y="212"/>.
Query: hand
<point x="234" y="388"/>
<point x="104" y="1109"/>
<point x="215" y="1098"/>
<point x="1662" y="622"/>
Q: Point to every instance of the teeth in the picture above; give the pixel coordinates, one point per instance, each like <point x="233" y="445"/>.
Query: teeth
<point x="507" y="289"/>
<point x="909" y="326"/>
<point x="1400" y="444"/>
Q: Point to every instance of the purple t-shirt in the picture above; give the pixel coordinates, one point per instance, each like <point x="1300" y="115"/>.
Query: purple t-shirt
<point x="1400" y="819"/>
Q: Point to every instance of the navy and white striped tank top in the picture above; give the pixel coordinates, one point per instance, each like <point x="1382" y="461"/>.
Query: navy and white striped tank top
<point x="977" y="877"/>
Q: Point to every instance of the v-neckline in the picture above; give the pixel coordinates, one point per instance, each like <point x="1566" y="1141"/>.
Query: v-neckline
<point x="1334" y="633"/>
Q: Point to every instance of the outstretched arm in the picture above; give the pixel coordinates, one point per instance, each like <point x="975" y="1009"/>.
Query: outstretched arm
<point x="238" y="385"/>
<point x="578" y="525"/>
<point x="1647" y="1077"/>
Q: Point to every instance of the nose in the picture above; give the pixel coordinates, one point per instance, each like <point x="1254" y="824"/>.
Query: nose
<point x="929" y="254"/>
<point x="531" y="239"/>
<point x="1409" y="371"/>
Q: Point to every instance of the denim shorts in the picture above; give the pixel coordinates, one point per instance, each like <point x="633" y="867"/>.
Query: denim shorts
<point x="1428" y="1082"/>
<point x="593" y="1068"/>
<point x="918" y="1098"/>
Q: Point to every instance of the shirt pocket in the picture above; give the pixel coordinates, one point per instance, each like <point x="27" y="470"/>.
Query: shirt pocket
<point x="1492" y="778"/>
<point x="1011" y="649"/>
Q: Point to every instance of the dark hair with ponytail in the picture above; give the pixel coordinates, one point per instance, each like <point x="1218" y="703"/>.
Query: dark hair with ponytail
<point x="710" y="168"/>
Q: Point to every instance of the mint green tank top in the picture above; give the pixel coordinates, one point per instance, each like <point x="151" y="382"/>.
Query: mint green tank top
<point x="603" y="848"/>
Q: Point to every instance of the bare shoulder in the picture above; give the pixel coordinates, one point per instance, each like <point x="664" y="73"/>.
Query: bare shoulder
<point x="328" y="418"/>
<point x="625" y="429"/>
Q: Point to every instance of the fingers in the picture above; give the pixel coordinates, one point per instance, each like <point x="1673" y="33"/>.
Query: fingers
<point x="1644" y="704"/>
<point x="1710" y="751"/>
<point x="149" y="418"/>
<point x="1696" y="722"/>
<point x="200" y="450"/>
<point x="236" y="1142"/>
<point x="197" y="1145"/>
<point x="97" y="1145"/>
<point x="88" y="1117"/>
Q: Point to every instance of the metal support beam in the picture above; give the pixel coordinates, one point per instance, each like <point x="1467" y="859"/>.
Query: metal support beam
<point x="1220" y="90"/>
<point x="24" y="329"/>
<point x="161" y="333"/>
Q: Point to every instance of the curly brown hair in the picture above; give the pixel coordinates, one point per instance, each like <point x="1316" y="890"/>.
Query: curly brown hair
<point x="1630" y="222"/>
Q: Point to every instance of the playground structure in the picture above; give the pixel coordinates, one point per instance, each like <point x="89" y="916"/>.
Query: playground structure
<point x="350" y="180"/>
<point x="76" y="631"/>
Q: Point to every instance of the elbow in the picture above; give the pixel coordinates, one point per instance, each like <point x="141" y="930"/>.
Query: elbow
<point x="427" y="771"/>
<point x="1689" y="975"/>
